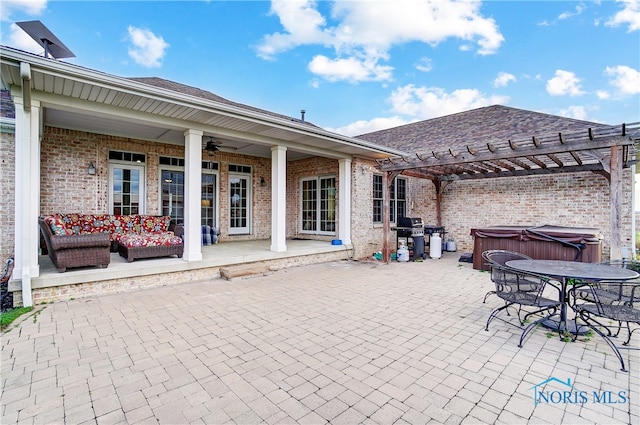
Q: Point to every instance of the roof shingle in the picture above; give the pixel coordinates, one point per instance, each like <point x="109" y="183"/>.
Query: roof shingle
<point x="489" y="124"/>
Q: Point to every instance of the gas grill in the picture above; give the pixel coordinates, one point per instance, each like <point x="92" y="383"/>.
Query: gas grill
<point x="410" y="227"/>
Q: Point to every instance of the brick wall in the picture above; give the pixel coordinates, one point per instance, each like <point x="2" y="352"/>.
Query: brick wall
<point x="7" y="196"/>
<point x="580" y="199"/>
<point x="576" y="200"/>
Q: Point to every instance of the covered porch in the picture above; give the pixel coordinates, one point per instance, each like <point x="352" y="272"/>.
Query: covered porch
<point x="121" y="275"/>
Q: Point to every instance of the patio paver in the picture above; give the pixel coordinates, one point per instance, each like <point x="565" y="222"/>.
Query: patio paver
<point x="344" y="342"/>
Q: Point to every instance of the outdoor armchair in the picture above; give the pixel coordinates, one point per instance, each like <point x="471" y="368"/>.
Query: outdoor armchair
<point x="617" y="301"/>
<point x="500" y="257"/>
<point x="526" y="290"/>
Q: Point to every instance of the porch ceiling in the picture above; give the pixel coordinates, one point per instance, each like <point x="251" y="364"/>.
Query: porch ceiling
<point x="545" y="153"/>
<point x="83" y="99"/>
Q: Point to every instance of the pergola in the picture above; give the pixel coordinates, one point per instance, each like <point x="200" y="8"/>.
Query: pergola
<point x="605" y="150"/>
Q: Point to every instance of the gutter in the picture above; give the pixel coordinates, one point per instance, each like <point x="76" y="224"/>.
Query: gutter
<point x="99" y="78"/>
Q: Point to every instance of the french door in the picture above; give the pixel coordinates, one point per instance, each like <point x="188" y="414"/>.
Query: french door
<point x="172" y="194"/>
<point x="318" y="205"/>
<point x="126" y="189"/>
<point x="239" y="204"/>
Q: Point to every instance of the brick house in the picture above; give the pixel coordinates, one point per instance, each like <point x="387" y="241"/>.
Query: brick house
<point x="80" y="128"/>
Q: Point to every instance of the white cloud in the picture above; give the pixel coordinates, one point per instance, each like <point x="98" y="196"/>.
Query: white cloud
<point x="424" y="65"/>
<point x="23" y="41"/>
<point x="368" y="29"/>
<point x="575" y="112"/>
<point x="349" y="69"/>
<point x="603" y="94"/>
<point x="566" y="15"/>
<point x="147" y="48"/>
<point x="625" y="79"/>
<point x="629" y="15"/>
<point x="503" y="79"/>
<point x="363" y="127"/>
<point x="429" y="102"/>
<point x="302" y="24"/>
<point x="30" y="7"/>
<point x="410" y="104"/>
<point x="564" y="83"/>
<point x="17" y="37"/>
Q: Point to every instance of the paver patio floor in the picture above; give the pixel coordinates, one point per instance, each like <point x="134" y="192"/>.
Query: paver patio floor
<point x="344" y="343"/>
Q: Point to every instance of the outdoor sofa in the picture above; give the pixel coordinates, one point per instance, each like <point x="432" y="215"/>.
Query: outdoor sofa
<point x="78" y="240"/>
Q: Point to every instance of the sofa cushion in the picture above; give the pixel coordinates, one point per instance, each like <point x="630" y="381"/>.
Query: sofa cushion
<point x="115" y="225"/>
<point x="150" y="239"/>
<point x="58" y="225"/>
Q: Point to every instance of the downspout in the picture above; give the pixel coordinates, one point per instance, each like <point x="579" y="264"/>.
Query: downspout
<point x="25" y="74"/>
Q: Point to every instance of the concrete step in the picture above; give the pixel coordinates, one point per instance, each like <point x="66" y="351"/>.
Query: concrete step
<point x="245" y="270"/>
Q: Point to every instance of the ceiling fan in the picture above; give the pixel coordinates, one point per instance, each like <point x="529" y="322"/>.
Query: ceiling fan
<point x="212" y="146"/>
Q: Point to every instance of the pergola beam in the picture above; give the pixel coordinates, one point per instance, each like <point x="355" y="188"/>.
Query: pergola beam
<point x="442" y="159"/>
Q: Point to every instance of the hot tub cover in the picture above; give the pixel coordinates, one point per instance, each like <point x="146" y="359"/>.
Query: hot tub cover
<point x="545" y="232"/>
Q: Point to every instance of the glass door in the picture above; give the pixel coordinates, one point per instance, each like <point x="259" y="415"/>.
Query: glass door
<point x="209" y="200"/>
<point x="172" y="194"/>
<point x="126" y="189"/>
<point x="239" y="204"/>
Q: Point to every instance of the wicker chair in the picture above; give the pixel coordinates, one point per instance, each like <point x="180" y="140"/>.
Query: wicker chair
<point x="7" y="297"/>
<point x="523" y="290"/>
<point x="617" y="301"/>
<point x="76" y="250"/>
<point x="500" y="257"/>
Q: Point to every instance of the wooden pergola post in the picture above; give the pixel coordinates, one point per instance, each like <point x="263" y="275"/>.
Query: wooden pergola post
<point x="386" y="220"/>
<point x="615" y="196"/>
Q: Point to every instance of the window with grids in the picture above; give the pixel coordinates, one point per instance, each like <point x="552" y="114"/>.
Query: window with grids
<point x="397" y="199"/>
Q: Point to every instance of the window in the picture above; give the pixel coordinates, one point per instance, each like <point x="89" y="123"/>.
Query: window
<point x="377" y="198"/>
<point x="397" y="199"/>
<point x="318" y="205"/>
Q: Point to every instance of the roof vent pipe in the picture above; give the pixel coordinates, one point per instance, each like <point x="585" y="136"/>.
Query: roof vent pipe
<point x="302" y="112"/>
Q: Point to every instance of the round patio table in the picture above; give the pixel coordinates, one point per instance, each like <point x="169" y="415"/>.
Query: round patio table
<point x="565" y="270"/>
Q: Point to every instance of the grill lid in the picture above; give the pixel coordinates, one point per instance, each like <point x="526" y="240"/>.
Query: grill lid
<point x="410" y="222"/>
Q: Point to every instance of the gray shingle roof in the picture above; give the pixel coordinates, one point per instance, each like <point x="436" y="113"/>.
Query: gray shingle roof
<point x="203" y="94"/>
<point x="491" y="124"/>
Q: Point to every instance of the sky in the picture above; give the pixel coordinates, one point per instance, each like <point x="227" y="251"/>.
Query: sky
<point x="359" y="66"/>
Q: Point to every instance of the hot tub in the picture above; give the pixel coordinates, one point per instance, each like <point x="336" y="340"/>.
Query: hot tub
<point x="539" y="242"/>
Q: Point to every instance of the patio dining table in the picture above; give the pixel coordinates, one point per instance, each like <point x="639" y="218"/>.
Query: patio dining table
<point x="566" y="270"/>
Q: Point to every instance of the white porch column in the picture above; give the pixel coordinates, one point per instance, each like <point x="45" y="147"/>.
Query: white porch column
<point x="344" y="200"/>
<point x="27" y="195"/>
<point x="192" y="195"/>
<point x="278" y="198"/>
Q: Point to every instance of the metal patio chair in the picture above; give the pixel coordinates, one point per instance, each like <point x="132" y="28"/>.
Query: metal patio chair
<point x="624" y="263"/>
<point x="500" y="257"/>
<point x="617" y="301"/>
<point x="522" y="289"/>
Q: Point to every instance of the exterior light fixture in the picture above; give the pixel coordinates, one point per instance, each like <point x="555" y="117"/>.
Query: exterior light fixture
<point x="91" y="170"/>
